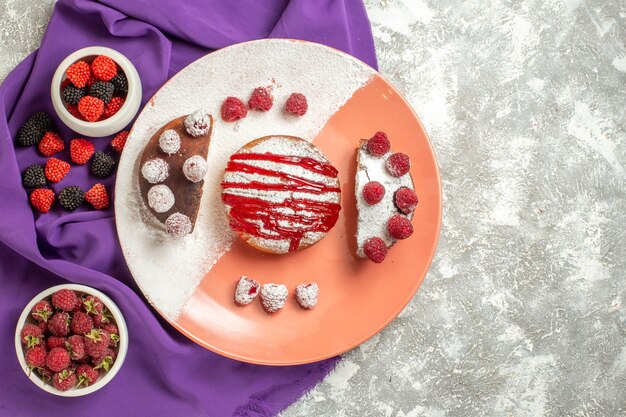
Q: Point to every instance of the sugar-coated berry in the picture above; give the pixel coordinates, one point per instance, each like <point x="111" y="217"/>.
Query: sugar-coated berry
<point x="399" y="227"/>
<point x="405" y="200"/>
<point x="195" y="168"/>
<point x="373" y="192"/>
<point x="261" y="99"/>
<point x="233" y="109"/>
<point x="169" y="141"/>
<point x="155" y="170"/>
<point x="398" y="164"/>
<point x="198" y="123"/>
<point x="378" y="145"/>
<point x="160" y="198"/>
<point x="104" y="68"/>
<point x="375" y="249"/>
<point x="178" y="225"/>
<point x="296" y="104"/>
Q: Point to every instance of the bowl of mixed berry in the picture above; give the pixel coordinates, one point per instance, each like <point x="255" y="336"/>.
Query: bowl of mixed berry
<point x="71" y="340"/>
<point x="96" y="91"/>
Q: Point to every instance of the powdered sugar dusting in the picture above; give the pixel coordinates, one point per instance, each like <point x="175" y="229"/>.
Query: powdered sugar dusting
<point x="246" y="291"/>
<point x="307" y="294"/>
<point x="273" y="297"/>
<point x="168" y="270"/>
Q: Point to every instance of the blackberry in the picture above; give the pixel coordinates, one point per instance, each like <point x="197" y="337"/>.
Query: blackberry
<point x="33" y="130"/>
<point x="33" y="177"/>
<point x="102" y="164"/>
<point x="121" y="84"/>
<point x="72" y="95"/>
<point x="71" y="198"/>
<point x="102" y="90"/>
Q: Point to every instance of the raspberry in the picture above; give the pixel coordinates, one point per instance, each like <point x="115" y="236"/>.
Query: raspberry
<point x="93" y="305"/>
<point x="104" y="361"/>
<point x="261" y="99"/>
<point x="79" y="304"/>
<point x="378" y="145"/>
<point x="87" y="375"/>
<point x="41" y="311"/>
<point x="296" y="104"/>
<point x="120" y="82"/>
<point x="78" y="73"/>
<point x="119" y="141"/>
<point x="43" y="326"/>
<point x="59" y="324"/>
<point x="373" y="192"/>
<point x="81" y="323"/>
<point x="405" y="200"/>
<point x="31" y="335"/>
<point x="102" y="164"/>
<point x="113" y="107"/>
<point x="97" y="196"/>
<point x="80" y="150"/>
<point x="56" y="169"/>
<point x="399" y="227"/>
<point x="76" y="346"/>
<point x="31" y="132"/>
<point x="398" y="164"/>
<point x="55" y="341"/>
<point x="33" y="177"/>
<point x="100" y="319"/>
<point x="50" y="144"/>
<point x="71" y="198"/>
<point x="44" y="373"/>
<point x="72" y="94"/>
<point x="114" y="333"/>
<point x="73" y="110"/>
<point x="91" y="108"/>
<point x="36" y="356"/>
<point x="104" y="68"/>
<point x="58" y="359"/>
<point x="64" y="299"/>
<point x="375" y="249"/>
<point x="102" y="90"/>
<point x="96" y="342"/>
<point x="42" y="199"/>
<point x="233" y="109"/>
<point x="64" y="380"/>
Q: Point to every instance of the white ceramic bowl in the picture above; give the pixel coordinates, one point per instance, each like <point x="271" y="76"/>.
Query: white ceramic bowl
<point x="104" y="378"/>
<point x="114" y="123"/>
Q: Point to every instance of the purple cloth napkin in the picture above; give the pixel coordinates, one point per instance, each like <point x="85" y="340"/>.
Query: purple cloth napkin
<point x="164" y="374"/>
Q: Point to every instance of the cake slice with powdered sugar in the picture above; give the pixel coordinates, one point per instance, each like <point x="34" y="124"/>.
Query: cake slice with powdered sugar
<point x="385" y="197"/>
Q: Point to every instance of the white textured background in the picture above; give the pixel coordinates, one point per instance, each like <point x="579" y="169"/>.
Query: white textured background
<point x="524" y="310"/>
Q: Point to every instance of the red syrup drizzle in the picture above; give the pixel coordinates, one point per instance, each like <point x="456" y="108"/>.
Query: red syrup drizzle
<point x="246" y="212"/>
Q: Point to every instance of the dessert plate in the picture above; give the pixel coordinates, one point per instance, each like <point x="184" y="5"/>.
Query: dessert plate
<point x="191" y="281"/>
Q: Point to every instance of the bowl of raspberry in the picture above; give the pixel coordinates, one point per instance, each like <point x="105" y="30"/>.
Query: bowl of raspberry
<point x="71" y="340"/>
<point x="96" y="91"/>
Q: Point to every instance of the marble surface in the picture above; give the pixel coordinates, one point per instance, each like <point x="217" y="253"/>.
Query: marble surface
<point x="524" y="310"/>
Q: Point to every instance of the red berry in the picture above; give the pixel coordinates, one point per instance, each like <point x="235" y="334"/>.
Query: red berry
<point x="91" y="108"/>
<point x="114" y="333"/>
<point x="104" y="68"/>
<point x="97" y="196"/>
<point x="119" y="141"/>
<point x="399" y="227"/>
<point x="55" y="341"/>
<point x="64" y="299"/>
<point x="296" y="104"/>
<point x="43" y="326"/>
<point x="79" y="304"/>
<point x="113" y="107"/>
<point x="378" y="145"/>
<point x="373" y="192"/>
<point x="64" y="380"/>
<point x="398" y="164"/>
<point x="58" y="359"/>
<point x="87" y="375"/>
<point x="59" y="324"/>
<point x="91" y="80"/>
<point x="73" y="110"/>
<point x="41" y="311"/>
<point x="375" y="249"/>
<point x="105" y="360"/>
<point x="93" y="305"/>
<point x="79" y="73"/>
<point x="36" y="356"/>
<point x="81" y="150"/>
<point x="76" y="346"/>
<point x="81" y="323"/>
<point x="233" y="109"/>
<point x="31" y="335"/>
<point x="42" y="199"/>
<point x="405" y="200"/>
<point x="96" y="342"/>
<point x="261" y="99"/>
<point x="56" y="169"/>
<point x="50" y="144"/>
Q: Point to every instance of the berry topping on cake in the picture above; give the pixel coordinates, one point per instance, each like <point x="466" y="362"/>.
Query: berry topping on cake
<point x="398" y="164"/>
<point x="81" y="151"/>
<point x="113" y="107"/>
<point x="155" y="170"/>
<point x="71" y="198"/>
<point x="104" y="68"/>
<point x="198" y="123"/>
<point x="246" y="291"/>
<point x="91" y="108"/>
<point x="169" y="141"/>
<point x="78" y="73"/>
<point x="261" y="99"/>
<point x="58" y="359"/>
<point x="41" y="311"/>
<point x="33" y="177"/>
<point x="375" y="249"/>
<point x="296" y="104"/>
<point x="178" y="225"/>
<point x="72" y="94"/>
<point x="160" y="198"/>
<point x="64" y="380"/>
<point x="273" y="297"/>
<point x="102" y="164"/>
<point x="56" y="169"/>
<point x="399" y="227"/>
<point x="373" y="192"/>
<point x="50" y="144"/>
<point x="119" y="141"/>
<point x="97" y="196"/>
<point x="195" y="168"/>
<point x="102" y="90"/>
<point x="405" y="200"/>
<point x="306" y="294"/>
<point x="64" y="299"/>
<point x="233" y="109"/>
<point x="378" y="145"/>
